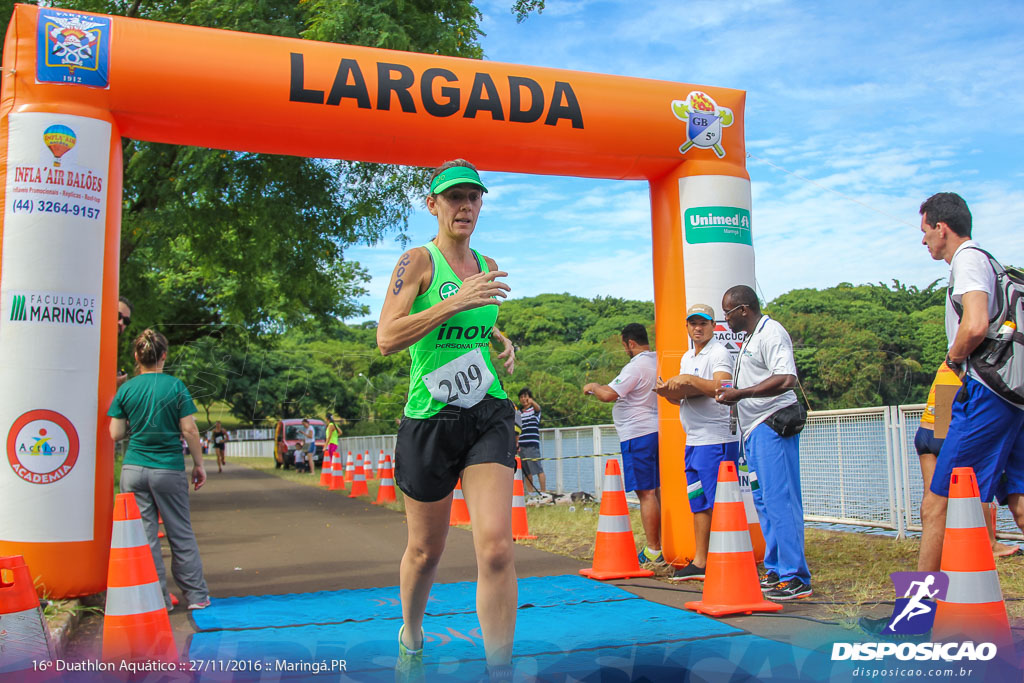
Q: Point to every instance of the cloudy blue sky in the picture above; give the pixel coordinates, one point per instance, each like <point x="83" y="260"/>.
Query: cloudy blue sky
<point x="856" y="112"/>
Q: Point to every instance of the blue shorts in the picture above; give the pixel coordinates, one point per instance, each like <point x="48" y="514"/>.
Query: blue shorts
<point x="983" y="434"/>
<point x="702" y="472"/>
<point x="1012" y="480"/>
<point x="640" y="463"/>
<point x="925" y="442"/>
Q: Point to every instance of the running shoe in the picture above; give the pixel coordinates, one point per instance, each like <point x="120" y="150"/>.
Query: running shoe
<point x="690" y="572"/>
<point x="789" y="590"/>
<point x="769" y="580"/>
<point x="500" y="674"/>
<point x="645" y="557"/>
<point x="202" y="604"/>
<point x="409" y="666"/>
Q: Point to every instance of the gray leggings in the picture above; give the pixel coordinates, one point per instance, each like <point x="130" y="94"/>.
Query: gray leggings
<point x="166" y="492"/>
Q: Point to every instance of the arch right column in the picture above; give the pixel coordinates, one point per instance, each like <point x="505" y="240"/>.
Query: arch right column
<point x="701" y="246"/>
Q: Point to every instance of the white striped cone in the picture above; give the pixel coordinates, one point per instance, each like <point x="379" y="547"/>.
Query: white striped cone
<point x="350" y="468"/>
<point x="359" y="487"/>
<point x="615" y="554"/>
<point x="731" y="585"/>
<point x="386" y="492"/>
<point x="520" y="525"/>
<point x="368" y="465"/>
<point x="24" y="636"/>
<point x="748" y="480"/>
<point x="460" y="511"/>
<point x="974" y="607"/>
<point x="337" y="481"/>
<point x="135" y="622"/>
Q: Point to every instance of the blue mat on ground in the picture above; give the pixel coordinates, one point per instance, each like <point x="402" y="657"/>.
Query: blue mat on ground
<point x="332" y="607"/>
<point x="454" y="645"/>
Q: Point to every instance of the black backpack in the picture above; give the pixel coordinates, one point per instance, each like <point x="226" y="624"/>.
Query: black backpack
<point x="999" y="359"/>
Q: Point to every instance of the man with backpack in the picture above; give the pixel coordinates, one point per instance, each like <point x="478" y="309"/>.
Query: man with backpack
<point x="985" y="432"/>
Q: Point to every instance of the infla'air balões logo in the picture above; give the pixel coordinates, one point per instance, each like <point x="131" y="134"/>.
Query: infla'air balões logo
<point x="42" y="446"/>
<point x="59" y="140"/>
<point x="914" y="613"/>
<point x="448" y="289"/>
<point x="73" y="48"/>
<point x="704" y="122"/>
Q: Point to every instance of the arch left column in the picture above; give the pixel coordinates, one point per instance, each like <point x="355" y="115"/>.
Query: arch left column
<point x="61" y="166"/>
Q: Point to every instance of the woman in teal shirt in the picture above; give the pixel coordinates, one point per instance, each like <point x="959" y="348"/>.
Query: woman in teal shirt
<point x="442" y="305"/>
<point x="155" y="411"/>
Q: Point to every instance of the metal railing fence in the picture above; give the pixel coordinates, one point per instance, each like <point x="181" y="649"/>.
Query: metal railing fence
<point x="857" y="466"/>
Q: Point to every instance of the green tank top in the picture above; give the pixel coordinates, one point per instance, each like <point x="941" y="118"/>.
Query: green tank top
<point x="333" y="438"/>
<point x="451" y="364"/>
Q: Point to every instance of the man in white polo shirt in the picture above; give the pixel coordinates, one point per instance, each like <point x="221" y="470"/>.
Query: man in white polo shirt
<point x="709" y="438"/>
<point x="770" y="419"/>
<point x="636" y="421"/>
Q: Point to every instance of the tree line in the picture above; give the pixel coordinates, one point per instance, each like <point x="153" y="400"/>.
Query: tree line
<point x="855" y="346"/>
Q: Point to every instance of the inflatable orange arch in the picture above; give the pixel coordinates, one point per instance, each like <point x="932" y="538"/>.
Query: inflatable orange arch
<point x="75" y="83"/>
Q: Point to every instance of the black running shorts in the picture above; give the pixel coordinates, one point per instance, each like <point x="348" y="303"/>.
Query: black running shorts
<point x="430" y="454"/>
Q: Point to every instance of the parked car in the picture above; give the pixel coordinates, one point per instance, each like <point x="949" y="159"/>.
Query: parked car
<point x="288" y="436"/>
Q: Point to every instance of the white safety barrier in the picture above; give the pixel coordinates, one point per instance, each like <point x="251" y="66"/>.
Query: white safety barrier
<point x="857" y="466"/>
<point x="248" y="449"/>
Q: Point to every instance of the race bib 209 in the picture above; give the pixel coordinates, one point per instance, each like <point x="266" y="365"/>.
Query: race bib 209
<point x="463" y="382"/>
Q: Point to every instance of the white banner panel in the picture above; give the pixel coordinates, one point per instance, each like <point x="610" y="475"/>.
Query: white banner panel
<point x="50" y="287"/>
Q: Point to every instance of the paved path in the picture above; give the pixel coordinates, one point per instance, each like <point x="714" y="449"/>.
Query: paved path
<point x="261" y="534"/>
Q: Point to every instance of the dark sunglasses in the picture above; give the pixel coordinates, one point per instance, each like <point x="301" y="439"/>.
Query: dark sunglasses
<point x="126" y="319"/>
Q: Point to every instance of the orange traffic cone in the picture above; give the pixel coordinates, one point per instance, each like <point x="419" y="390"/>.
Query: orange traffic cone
<point x="337" y="474"/>
<point x="160" y="520"/>
<point x="614" y="551"/>
<point x="135" y="622"/>
<point x="747" y="485"/>
<point x="24" y="636"/>
<point x="327" y="467"/>
<point x="359" y="479"/>
<point x="974" y="607"/>
<point x="350" y="469"/>
<point x="730" y="584"/>
<point x="368" y="466"/>
<point x="460" y="511"/>
<point x="520" y="528"/>
<point x="386" y="492"/>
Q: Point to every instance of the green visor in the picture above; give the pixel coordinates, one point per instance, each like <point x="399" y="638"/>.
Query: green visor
<point x="456" y="175"/>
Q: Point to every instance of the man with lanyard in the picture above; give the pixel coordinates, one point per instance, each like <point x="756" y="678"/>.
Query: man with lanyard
<point x="985" y="430"/>
<point x="709" y="438"/>
<point x="636" y="421"/>
<point x="765" y="402"/>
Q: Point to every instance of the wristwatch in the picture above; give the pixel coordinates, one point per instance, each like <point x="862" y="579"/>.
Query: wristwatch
<point x="957" y="367"/>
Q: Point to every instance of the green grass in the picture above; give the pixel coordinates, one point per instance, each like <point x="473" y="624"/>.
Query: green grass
<point x="850" y="570"/>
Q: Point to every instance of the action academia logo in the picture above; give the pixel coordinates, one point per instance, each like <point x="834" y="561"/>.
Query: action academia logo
<point x="42" y="446"/>
<point x="704" y="122"/>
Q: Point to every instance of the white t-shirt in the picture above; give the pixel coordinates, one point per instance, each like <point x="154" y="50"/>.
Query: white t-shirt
<point x="310" y="435"/>
<point x="636" y="411"/>
<point x="969" y="271"/>
<point x="705" y="420"/>
<point x="766" y="351"/>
